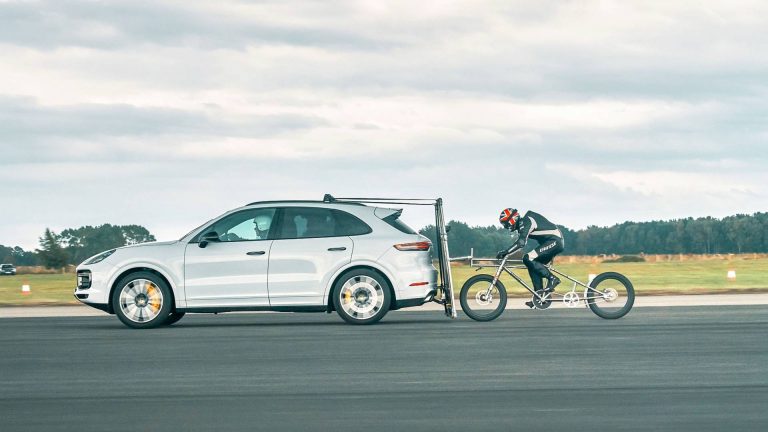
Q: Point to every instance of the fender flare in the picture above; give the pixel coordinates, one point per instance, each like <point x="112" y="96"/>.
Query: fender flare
<point x="358" y="263"/>
<point x="180" y="299"/>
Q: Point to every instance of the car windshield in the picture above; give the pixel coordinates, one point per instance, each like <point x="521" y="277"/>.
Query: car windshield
<point x="197" y="228"/>
<point x="7" y="266"/>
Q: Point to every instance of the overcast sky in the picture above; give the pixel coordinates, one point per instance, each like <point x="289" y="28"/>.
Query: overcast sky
<point x="166" y="114"/>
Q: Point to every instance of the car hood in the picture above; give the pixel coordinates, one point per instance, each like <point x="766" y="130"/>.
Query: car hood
<point x="150" y="244"/>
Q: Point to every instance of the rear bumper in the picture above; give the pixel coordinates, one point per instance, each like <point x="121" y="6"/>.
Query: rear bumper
<point x="406" y="303"/>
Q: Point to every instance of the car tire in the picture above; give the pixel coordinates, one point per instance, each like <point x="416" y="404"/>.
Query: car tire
<point x="362" y="296"/>
<point x="142" y="300"/>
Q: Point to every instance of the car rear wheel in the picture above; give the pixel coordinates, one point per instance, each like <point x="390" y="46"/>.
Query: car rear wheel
<point x="362" y="297"/>
<point x="142" y="300"/>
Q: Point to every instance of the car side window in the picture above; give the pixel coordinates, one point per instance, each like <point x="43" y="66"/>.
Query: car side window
<point x="307" y="222"/>
<point x="247" y="225"/>
<point x="349" y="225"/>
<point x="314" y="222"/>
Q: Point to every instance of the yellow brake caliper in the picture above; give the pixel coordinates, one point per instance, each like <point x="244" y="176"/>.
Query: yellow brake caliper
<point x="153" y="299"/>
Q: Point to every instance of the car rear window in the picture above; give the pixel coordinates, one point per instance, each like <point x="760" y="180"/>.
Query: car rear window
<point x="394" y="221"/>
<point x="349" y="225"/>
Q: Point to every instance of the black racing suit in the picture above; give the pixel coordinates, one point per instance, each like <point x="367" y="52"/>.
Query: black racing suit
<point x="550" y="239"/>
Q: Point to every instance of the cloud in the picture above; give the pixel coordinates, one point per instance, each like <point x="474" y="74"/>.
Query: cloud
<point x="33" y="132"/>
<point x="120" y="24"/>
<point x="167" y="113"/>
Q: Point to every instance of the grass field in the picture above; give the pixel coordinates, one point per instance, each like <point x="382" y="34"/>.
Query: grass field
<point x="687" y="277"/>
<point x="46" y="289"/>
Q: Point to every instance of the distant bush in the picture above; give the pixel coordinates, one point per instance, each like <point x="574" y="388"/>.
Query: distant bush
<point x="626" y="259"/>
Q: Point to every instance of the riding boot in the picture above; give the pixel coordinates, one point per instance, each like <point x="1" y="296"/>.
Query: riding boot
<point x="552" y="282"/>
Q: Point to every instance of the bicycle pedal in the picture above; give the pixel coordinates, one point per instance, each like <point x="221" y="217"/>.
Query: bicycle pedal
<point x="529" y="304"/>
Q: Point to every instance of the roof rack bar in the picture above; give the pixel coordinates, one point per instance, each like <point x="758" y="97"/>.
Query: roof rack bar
<point x="388" y="199"/>
<point x="391" y="202"/>
<point x="401" y="201"/>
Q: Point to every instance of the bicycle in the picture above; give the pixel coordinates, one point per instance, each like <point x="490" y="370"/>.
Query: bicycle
<point x="609" y="295"/>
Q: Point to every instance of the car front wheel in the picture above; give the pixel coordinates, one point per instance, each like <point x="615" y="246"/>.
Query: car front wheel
<point x="142" y="300"/>
<point x="361" y="297"/>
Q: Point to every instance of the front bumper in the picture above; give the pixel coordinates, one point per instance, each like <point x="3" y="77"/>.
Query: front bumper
<point x="100" y="306"/>
<point x="94" y="292"/>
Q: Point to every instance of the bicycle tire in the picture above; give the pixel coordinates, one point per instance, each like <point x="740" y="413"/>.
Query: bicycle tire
<point x="477" y="314"/>
<point x="616" y="278"/>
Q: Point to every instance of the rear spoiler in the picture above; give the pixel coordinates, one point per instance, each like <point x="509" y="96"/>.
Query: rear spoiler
<point x="387" y="213"/>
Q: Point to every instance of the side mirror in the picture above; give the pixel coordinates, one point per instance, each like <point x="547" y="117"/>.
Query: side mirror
<point x="209" y="237"/>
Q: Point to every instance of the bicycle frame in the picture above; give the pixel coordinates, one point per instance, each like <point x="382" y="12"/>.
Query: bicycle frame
<point x="518" y="264"/>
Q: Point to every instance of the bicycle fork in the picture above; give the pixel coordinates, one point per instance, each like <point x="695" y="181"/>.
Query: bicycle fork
<point x="496" y="278"/>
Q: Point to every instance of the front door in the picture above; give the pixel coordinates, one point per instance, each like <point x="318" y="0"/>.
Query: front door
<point x="232" y="270"/>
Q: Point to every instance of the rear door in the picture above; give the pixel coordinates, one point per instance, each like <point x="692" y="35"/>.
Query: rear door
<point x="309" y="248"/>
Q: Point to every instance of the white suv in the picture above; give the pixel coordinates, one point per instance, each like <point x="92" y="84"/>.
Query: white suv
<point x="292" y="256"/>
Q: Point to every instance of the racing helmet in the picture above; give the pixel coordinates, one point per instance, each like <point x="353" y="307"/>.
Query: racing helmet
<point x="262" y="222"/>
<point x="509" y="217"/>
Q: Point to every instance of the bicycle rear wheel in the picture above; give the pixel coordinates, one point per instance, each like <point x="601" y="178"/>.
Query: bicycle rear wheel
<point x="610" y="296"/>
<point x="478" y="302"/>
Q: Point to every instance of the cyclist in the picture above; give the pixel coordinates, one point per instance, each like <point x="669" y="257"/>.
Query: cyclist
<point x="549" y="237"/>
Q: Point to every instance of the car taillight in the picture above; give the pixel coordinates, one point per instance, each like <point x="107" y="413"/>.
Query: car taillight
<point x="416" y="246"/>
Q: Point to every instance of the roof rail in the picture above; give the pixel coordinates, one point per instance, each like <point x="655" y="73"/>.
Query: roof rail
<point x="299" y="202"/>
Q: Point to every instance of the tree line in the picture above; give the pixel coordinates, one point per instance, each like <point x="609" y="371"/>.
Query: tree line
<point x="733" y="234"/>
<point x="75" y="245"/>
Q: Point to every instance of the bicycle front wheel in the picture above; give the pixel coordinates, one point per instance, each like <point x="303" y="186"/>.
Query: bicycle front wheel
<point x="481" y="299"/>
<point x="610" y="295"/>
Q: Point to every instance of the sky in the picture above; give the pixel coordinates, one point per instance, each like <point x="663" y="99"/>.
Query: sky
<point x="168" y="113"/>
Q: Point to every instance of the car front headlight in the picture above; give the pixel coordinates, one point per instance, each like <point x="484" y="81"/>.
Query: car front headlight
<point x="100" y="257"/>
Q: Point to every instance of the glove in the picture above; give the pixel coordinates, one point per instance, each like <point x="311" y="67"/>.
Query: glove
<point x="520" y="244"/>
<point x="502" y="254"/>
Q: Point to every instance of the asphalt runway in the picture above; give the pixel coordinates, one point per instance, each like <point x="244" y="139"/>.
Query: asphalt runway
<point x="681" y="369"/>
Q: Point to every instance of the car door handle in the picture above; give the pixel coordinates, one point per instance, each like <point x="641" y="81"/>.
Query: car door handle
<point x="337" y="249"/>
<point x="252" y="253"/>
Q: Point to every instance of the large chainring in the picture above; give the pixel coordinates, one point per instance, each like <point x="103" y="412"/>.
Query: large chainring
<point x="542" y="304"/>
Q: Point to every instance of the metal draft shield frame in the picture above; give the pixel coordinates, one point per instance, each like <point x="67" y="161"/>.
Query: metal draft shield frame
<point x="445" y="284"/>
